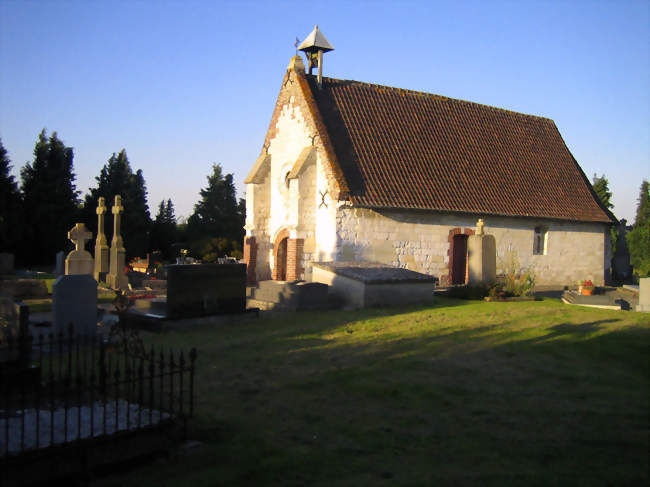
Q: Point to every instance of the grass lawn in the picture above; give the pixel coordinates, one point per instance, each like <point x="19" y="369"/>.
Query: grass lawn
<point x="461" y="393"/>
<point x="44" y="305"/>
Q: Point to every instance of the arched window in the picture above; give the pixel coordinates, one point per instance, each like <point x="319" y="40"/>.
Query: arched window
<point x="540" y="241"/>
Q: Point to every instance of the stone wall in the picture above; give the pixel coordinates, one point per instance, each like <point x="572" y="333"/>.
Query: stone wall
<point x="307" y="202"/>
<point x="258" y="210"/>
<point x="419" y="241"/>
<point x="326" y="205"/>
<point x="295" y="204"/>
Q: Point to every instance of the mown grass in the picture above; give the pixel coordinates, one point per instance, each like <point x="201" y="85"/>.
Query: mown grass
<point x="460" y="393"/>
<point x="44" y="305"/>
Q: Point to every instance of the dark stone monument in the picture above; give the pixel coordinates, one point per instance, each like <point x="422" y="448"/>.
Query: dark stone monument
<point x="205" y="289"/>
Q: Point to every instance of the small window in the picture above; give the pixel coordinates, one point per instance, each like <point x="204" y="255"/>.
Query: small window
<point x="540" y="241"/>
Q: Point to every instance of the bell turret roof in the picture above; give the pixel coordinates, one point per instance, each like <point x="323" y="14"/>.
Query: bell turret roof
<point x="317" y="40"/>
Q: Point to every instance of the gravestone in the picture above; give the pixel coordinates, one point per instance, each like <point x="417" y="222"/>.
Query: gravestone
<point x="79" y="261"/>
<point x="205" y="289"/>
<point x="60" y="263"/>
<point x="644" y="295"/>
<point x="101" y="246"/>
<point x="116" y="278"/>
<point x="482" y="255"/>
<point x="74" y="300"/>
<point x="6" y="263"/>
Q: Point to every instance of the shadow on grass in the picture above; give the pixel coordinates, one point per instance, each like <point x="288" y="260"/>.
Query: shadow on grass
<point x="402" y="396"/>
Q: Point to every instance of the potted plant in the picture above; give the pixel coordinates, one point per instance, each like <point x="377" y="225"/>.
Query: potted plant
<point x="587" y="288"/>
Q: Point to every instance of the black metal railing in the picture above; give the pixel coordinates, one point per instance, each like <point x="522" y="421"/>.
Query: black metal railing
<point x="63" y="388"/>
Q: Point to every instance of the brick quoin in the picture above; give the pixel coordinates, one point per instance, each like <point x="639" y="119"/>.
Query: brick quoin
<point x="294" y="258"/>
<point x="250" y="258"/>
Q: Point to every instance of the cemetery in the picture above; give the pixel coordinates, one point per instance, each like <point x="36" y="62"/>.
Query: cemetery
<point x="336" y="371"/>
<point x="416" y="290"/>
<point x="81" y="378"/>
<point x="87" y="384"/>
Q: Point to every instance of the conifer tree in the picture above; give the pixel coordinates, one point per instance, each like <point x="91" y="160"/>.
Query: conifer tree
<point x="50" y="200"/>
<point x="10" y="206"/>
<point x="163" y="230"/>
<point x="601" y="188"/>
<point x="643" y="205"/>
<point x="217" y="214"/>
<point x="117" y="177"/>
<point x="638" y="239"/>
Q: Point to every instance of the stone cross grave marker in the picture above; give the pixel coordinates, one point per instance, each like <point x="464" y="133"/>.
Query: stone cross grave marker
<point x="79" y="261"/>
<point x="479" y="226"/>
<point x="116" y="278"/>
<point x="101" y="246"/>
<point x="482" y="256"/>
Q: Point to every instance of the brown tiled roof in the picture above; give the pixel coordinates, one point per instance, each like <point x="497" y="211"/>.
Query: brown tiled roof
<point x="405" y="149"/>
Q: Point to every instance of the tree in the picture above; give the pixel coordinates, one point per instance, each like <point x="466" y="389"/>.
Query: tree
<point x="643" y="205"/>
<point x="117" y="177"/>
<point x="638" y="239"/>
<point x="50" y="200"/>
<point x="10" y="206"/>
<point x="601" y="188"/>
<point x="217" y="214"/>
<point x="163" y="230"/>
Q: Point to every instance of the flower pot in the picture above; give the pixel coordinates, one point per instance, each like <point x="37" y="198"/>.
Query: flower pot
<point x="587" y="292"/>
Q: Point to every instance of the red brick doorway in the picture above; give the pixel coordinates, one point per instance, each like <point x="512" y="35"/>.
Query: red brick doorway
<point x="459" y="266"/>
<point x="281" y="260"/>
<point x="279" y="272"/>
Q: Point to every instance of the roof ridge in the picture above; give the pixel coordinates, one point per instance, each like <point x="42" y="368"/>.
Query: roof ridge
<point x="443" y="97"/>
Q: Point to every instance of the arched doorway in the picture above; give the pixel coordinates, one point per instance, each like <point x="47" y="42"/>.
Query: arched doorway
<point x="281" y="260"/>
<point x="280" y="256"/>
<point x="458" y="271"/>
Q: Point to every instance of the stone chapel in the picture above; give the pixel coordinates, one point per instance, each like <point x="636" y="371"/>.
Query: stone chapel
<point x="352" y="171"/>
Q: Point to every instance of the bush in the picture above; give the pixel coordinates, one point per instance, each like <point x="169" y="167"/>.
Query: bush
<point x="515" y="280"/>
<point x="210" y="250"/>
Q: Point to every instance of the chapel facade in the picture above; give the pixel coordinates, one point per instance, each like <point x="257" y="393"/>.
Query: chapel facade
<point x="352" y="171"/>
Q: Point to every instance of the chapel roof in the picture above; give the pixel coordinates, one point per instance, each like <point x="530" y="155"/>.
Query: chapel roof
<point x="404" y="149"/>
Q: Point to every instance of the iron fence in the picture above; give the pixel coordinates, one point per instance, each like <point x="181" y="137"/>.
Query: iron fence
<point x="58" y="389"/>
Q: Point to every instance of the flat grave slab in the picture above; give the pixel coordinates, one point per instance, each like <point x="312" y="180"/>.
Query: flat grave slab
<point x="365" y="284"/>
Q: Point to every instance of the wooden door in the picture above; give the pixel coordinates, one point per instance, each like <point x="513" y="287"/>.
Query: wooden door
<point x="459" y="265"/>
<point x="281" y="256"/>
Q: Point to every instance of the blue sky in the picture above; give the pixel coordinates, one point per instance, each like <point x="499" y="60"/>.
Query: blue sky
<point x="181" y="85"/>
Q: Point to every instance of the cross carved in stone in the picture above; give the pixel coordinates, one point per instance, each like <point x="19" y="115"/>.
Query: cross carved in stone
<point x="78" y="235"/>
